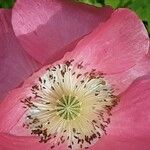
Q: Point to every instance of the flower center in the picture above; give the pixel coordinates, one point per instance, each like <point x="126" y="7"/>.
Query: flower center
<point x="70" y="105"/>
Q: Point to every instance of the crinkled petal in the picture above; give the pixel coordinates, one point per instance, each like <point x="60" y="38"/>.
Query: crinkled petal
<point x="122" y="81"/>
<point x="10" y="142"/>
<point x="116" y="46"/>
<point x="129" y="127"/>
<point x="45" y="27"/>
<point x="15" y="64"/>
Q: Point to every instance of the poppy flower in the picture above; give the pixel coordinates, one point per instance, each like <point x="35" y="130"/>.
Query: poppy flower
<point x="95" y="97"/>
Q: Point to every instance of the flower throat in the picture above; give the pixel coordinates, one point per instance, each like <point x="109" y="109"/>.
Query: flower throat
<point x="69" y="105"/>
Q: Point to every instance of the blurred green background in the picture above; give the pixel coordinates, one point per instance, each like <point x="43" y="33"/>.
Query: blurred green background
<point x="6" y="3"/>
<point x="141" y="7"/>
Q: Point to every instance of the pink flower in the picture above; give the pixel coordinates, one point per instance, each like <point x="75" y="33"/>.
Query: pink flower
<point x="69" y="103"/>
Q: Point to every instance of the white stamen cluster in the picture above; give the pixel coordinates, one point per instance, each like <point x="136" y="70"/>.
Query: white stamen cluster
<point x="70" y="106"/>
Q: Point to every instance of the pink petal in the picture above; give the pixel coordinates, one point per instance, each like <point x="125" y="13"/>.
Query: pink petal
<point x="116" y="46"/>
<point x="9" y="142"/>
<point x="15" y="63"/>
<point x="109" y="142"/>
<point x="121" y="81"/>
<point x="45" y="27"/>
<point x="12" y="113"/>
<point x="130" y="122"/>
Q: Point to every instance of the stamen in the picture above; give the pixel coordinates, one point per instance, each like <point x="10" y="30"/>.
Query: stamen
<point x="70" y="105"/>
